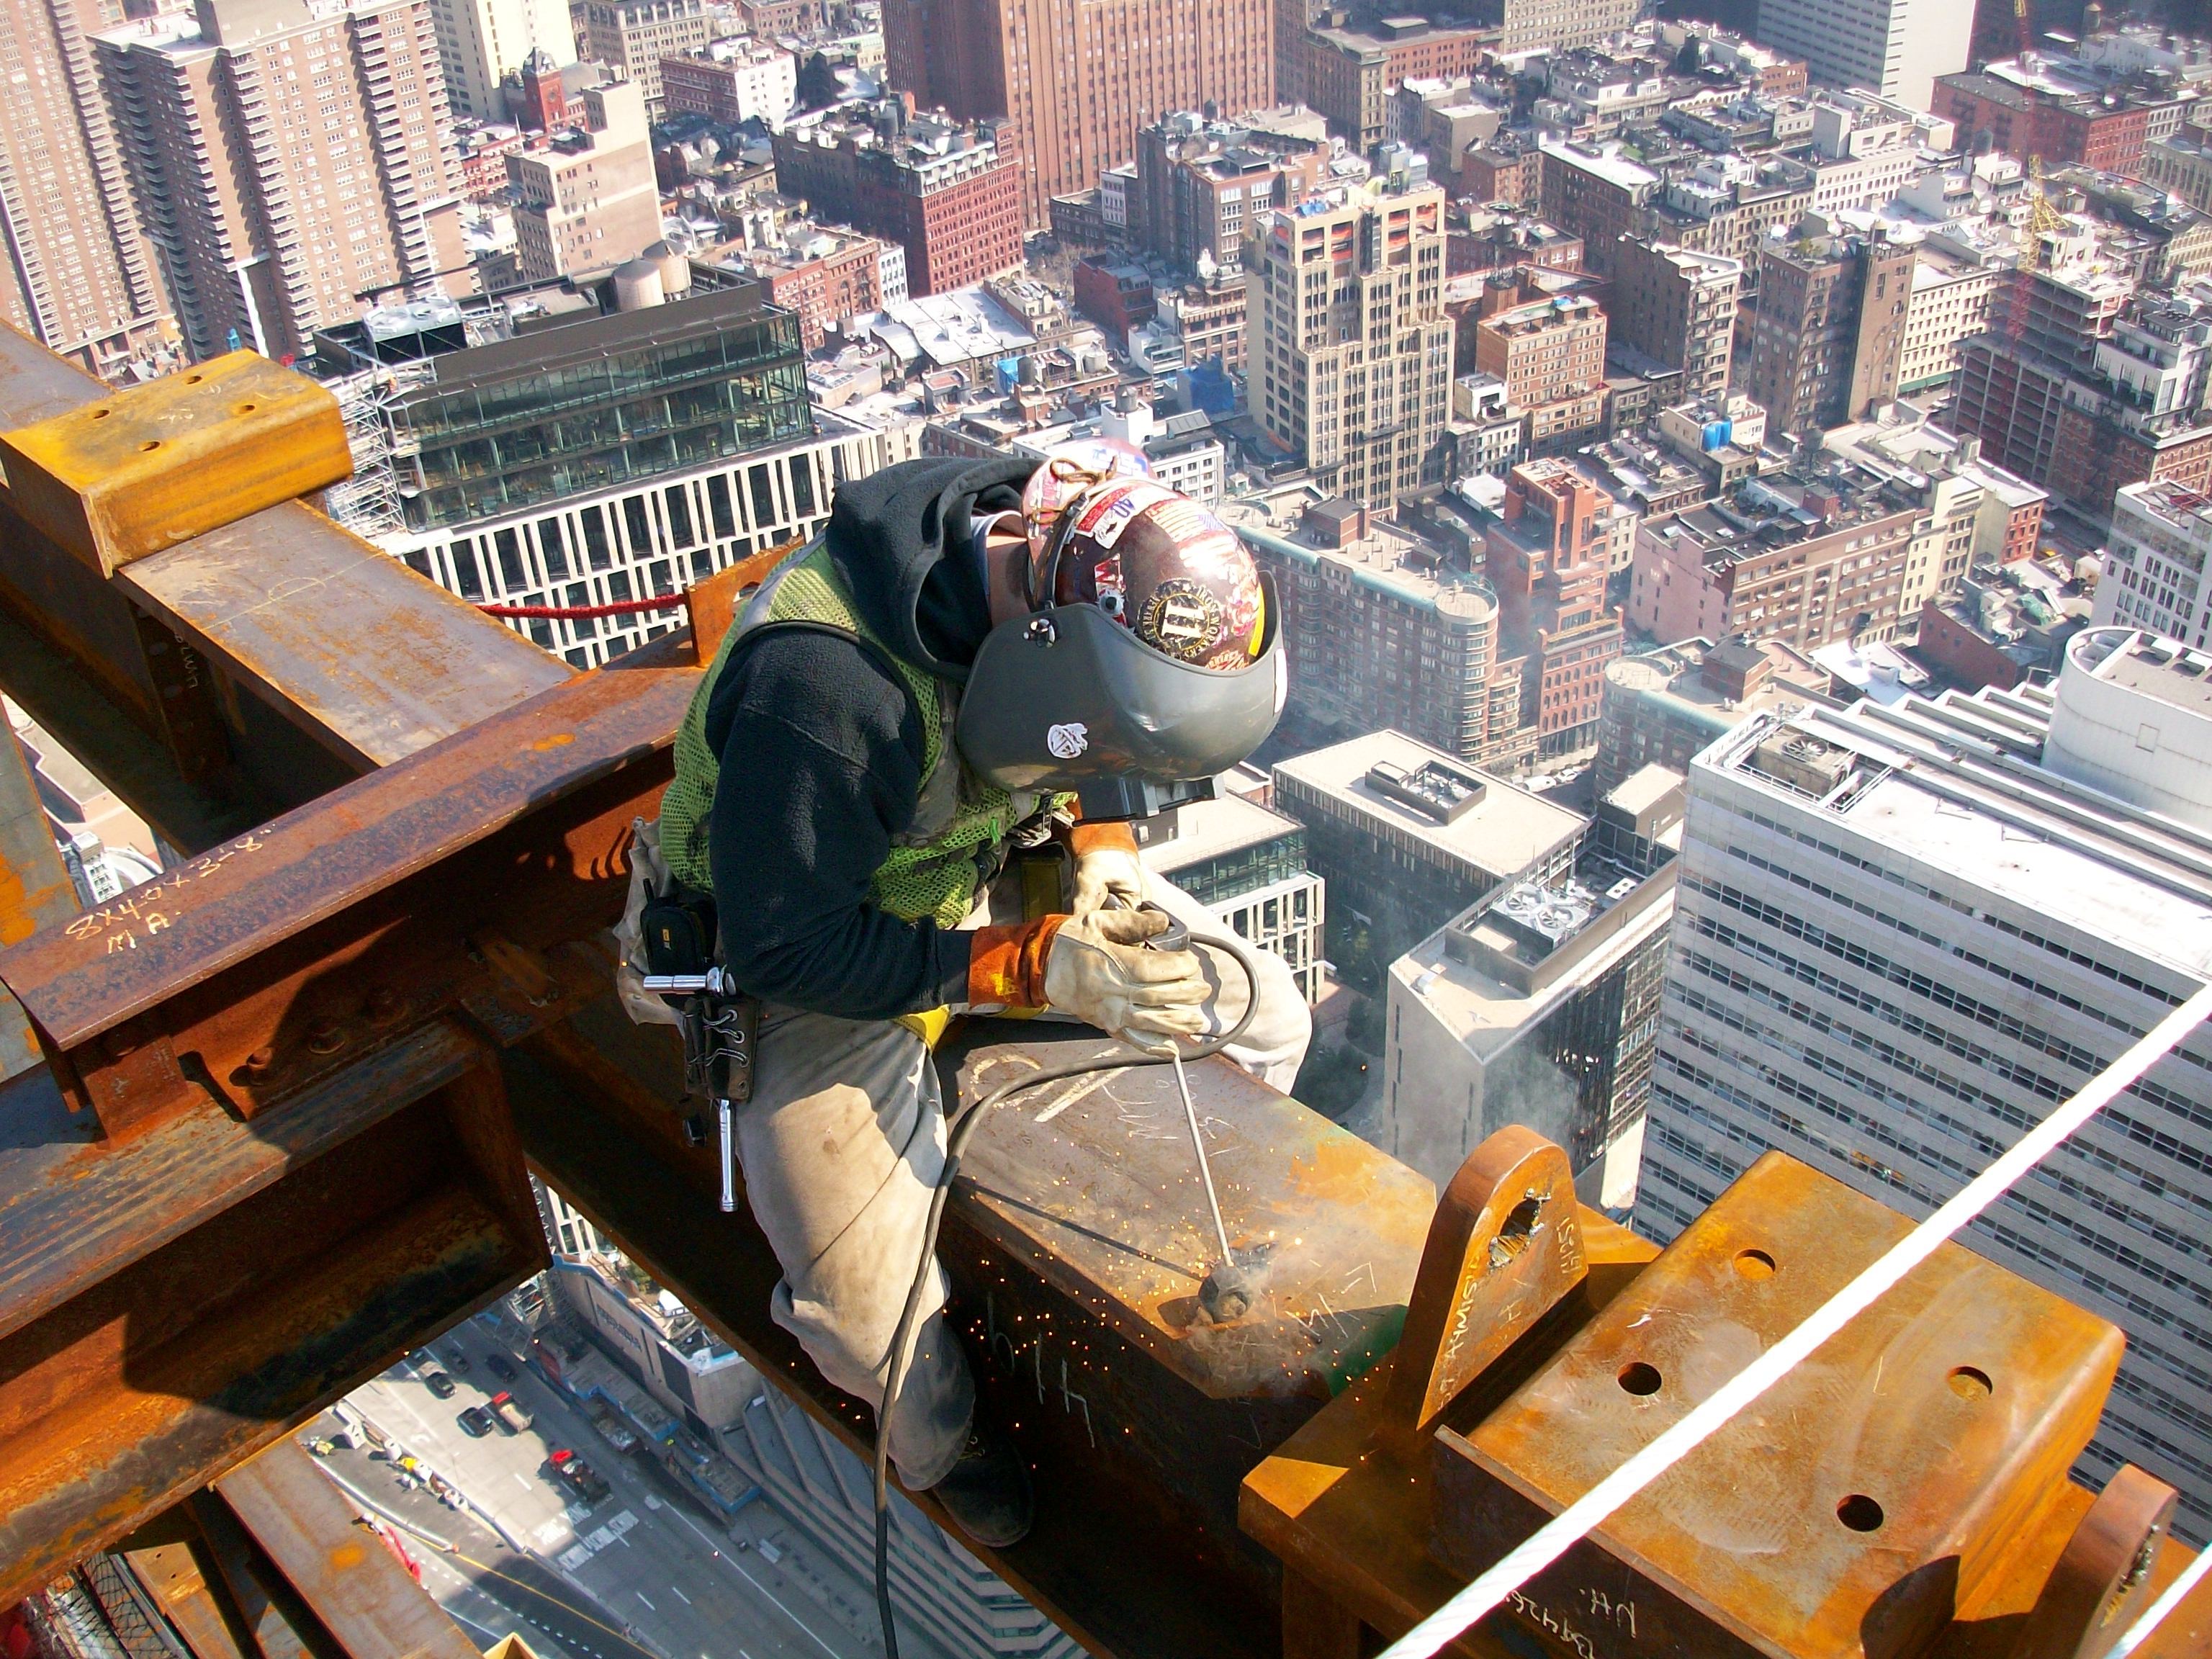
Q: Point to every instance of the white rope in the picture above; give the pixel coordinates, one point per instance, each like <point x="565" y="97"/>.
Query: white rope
<point x="1556" y="1537"/>
<point x="2176" y="1594"/>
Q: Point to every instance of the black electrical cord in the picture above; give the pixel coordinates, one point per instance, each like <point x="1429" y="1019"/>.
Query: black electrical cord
<point x="961" y="1130"/>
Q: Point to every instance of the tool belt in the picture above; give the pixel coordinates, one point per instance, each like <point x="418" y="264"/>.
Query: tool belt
<point x="721" y="1031"/>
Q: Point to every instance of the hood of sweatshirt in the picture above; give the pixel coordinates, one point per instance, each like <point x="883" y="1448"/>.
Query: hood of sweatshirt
<point x="899" y="539"/>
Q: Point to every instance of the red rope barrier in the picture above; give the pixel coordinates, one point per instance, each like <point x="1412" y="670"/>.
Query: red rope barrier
<point x="579" y="612"/>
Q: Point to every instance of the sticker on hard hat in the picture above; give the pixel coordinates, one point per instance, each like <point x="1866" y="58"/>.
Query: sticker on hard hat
<point x="1067" y="742"/>
<point x="1119" y="508"/>
<point x="1181" y="619"/>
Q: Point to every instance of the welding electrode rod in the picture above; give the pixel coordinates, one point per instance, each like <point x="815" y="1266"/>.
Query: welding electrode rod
<point x="729" y="1159"/>
<point x="1198" y="1141"/>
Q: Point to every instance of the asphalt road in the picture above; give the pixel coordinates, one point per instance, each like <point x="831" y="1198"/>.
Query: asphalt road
<point x="645" y="1574"/>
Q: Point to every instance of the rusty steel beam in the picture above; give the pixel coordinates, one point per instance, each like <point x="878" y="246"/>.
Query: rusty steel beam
<point x="354" y="1586"/>
<point x="173" y="1304"/>
<point x="272" y="658"/>
<point x="459" y="877"/>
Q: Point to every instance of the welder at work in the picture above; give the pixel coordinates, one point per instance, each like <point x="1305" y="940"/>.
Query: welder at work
<point x="902" y="793"/>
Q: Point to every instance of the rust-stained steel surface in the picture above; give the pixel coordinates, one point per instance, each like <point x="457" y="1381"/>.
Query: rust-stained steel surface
<point x="172" y="1303"/>
<point x="1505" y="1247"/>
<point x="1093" y="1180"/>
<point x="1880" y="1480"/>
<point x="352" y="650"/>
<point x="2101" y="1584"/>
<point x="144" y="467"/>
<point x="280" y="956"/>
<point x="370" y="659"/>
<point x="355" y="1587"/>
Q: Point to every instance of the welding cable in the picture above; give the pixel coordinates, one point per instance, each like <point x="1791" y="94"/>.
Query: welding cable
<point x="1556" y="1537"/>
<point x="961" y="1131"/>
<point x="582" y="612"/>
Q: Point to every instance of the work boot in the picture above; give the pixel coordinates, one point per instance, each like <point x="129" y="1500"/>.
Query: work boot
<point x="987" y="1492"/>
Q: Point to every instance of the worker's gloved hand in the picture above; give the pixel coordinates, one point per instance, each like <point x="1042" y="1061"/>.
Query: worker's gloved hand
<point x="1107" y="867"/>
<point x="1100" y="969"/>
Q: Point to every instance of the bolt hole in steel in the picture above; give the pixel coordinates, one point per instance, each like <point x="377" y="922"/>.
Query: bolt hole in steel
<point x="1860" y="1513"/>
<point x="243" y="409"/>
<point x="1516" y="1230"/>
<point x="1754" y="1264"/>
<point x="1969" y="1384"/>
<point x="1639" y="1379"/>
<point x="150" y="443"/>
<point x="194" y="380"/>
<point x="101" y="414"/>
<point x="326" y="1039"/>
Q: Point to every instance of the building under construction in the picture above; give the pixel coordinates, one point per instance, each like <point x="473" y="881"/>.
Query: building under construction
<point x="270" y="1119"/>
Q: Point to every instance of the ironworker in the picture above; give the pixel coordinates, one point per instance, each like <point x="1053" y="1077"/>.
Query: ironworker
<point x="857" y="858"/>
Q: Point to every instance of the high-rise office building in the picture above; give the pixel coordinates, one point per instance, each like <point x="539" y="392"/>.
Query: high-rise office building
<point x="590" y="201"/>
<point x="1540" y="1007"/>
<point x="1407" y="837"/>
<point x="78" y="277"/>
<point x="482" y="42"/>
<point x="1079" y="77"/>
<point x="1355" y="350"/>
<point x="1893" y="47"/>
<point x="285" y="158"/>
<point x="1903" y="934"/>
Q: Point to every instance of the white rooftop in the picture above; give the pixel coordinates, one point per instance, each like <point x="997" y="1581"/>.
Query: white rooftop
<point x="1209" y="829"/>
<point x="1506" y="832"/>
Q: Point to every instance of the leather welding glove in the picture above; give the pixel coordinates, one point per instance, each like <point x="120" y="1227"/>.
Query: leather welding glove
<point x="1107" y="867"/>
<point x="1096" y="967"/>
<point x="1101" y="970"/>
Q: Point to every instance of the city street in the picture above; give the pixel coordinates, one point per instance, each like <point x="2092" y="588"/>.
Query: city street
<point x="645" y="1574"/>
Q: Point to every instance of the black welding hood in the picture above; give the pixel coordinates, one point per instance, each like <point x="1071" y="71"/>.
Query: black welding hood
<point x="1068" y="698"/>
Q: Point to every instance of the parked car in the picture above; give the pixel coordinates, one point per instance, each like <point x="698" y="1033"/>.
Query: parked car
<point x="438" y="1383"/>
<point x="579" y="1477"/>
<point x="457" y="1362"/>
<point x="500" y="1366"/>
<point x="476" y="1422"/>
<point x="511" y="1415"/>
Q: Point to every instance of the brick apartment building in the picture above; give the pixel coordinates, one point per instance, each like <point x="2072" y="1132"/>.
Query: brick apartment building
<point x="1077" y="78"/>
<point x="833" y="277"/>
<point x="1545" y="556"/>
<point x="1806" y="560"/>
<point x="2024" y="117"/>
<point x="1551" y="355"/>
<point x="1677" y="307"/>
<point x="1117" y="297"/>
<point x="1349" y="74"/>
<point x="949" y="193"/>
<point x="732" y="81"/>
<point x="1827" y="335"/>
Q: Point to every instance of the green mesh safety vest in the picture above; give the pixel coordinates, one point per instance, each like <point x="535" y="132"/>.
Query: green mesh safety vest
<point x="960" y="821"/>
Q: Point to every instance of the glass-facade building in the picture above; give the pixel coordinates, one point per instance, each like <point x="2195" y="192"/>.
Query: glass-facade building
<point x="554" y="414"/>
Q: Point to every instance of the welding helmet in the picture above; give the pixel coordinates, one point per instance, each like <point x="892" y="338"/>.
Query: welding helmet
<point x="1150" y="657"/>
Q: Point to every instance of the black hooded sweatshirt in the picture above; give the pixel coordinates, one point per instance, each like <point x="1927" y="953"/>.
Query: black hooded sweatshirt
<point x="821" y="750"/>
